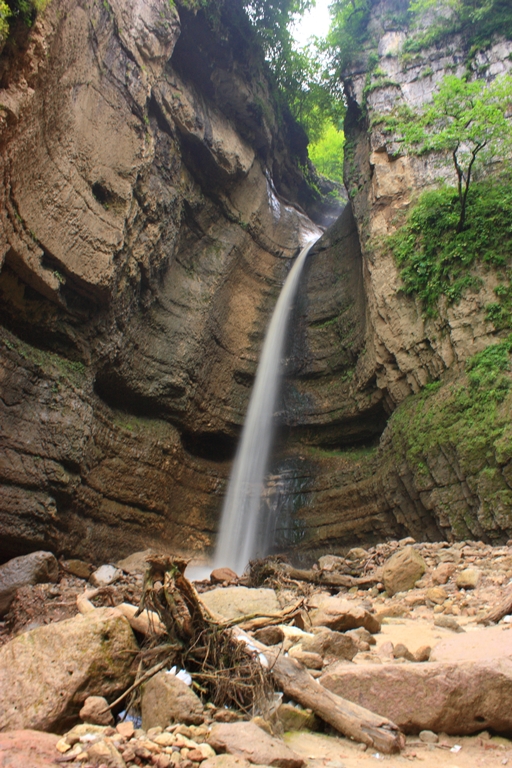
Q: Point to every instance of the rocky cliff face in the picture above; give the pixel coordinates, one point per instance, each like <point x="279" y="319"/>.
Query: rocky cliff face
<point x="146" y="231"/>
<point x="147" y="173"/>
<point x="443" y="464"/>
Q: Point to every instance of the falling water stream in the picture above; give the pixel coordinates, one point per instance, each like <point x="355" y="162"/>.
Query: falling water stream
<point x="240" y="521"/>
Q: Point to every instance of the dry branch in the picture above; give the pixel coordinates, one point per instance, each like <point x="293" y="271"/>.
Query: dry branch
<point x="328" y="578"/>
<point x="348" y="718"/>
<point x="503" y="608"/>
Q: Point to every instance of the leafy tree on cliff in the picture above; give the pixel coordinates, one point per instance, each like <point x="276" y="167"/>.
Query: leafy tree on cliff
<point x="471" y="121"/>
<point x="12" y="11"/>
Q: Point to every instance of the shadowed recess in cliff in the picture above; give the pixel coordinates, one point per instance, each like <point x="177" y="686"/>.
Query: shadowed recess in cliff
<point x="242" y="530"/>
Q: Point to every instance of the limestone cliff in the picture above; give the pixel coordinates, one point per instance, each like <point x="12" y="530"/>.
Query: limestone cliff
<point x="442" y="468"/>
<point x="145" y="234"/>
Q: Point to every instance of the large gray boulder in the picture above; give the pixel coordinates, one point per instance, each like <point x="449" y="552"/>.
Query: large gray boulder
<point x="47" y="674"/>
<point x="35" y="568"/>
<point x="457" y="698"/>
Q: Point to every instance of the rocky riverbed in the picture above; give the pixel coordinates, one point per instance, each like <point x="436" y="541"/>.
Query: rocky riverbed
<point x="417" y="647"/>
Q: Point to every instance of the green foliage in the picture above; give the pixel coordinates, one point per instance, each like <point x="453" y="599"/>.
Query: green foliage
<point x="12" y="11"/>
<point x="5" y="15"/>
<point x="326" y="153"/>
<point x="298" y="74"/>
<point x="477" y="21"/>
<point x="436" y="260"/>
<point x="469" y="121"/>
<point x="348" y="33"/>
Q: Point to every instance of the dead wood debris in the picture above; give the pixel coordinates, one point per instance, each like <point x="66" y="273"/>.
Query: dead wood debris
<point x="276" y="572"/>
<point x="199" y="642"/>
<point x="503" y="608"/>
<point x="232" y="669"/>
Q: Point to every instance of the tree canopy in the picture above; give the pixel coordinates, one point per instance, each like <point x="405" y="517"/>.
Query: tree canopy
<point x="467" y="119"/>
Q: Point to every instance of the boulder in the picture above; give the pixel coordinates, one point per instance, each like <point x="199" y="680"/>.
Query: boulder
<point x="36" y="568"/>
<point x="77" y="568"/>
<point x="306" y="658"/>
<point x="269" y="635"/>
<point x="233" y="602"/>
<point x="340" y="615"/>
<point x="451" y="697"/>
<point x="482" y="644"/>
<point x="167" y="699"/>
<point x="221" y="575"/>
<point x="248" y="741"/>
<point x="105" y="575"/>
<point x="297" y="719"/>
<point x="448" y="622"/>
<point x="443" y="573"/>
<point x="436" y="595"/>
<point x="95" y="710"/>
<point x="137" y="562"/>
<point x="468" y="578"/>
<point x="401" y="572"/>
<point x="28" y="749"/>
<point x="326" y="642"/>
<point x="47" y="674"/>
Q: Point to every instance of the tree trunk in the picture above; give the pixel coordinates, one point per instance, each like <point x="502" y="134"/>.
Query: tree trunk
<point x="348" y="718"/>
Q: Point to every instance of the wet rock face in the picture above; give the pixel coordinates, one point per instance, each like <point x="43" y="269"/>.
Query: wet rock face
<point x="407" y="349"/>
<point x="143" y="243"/>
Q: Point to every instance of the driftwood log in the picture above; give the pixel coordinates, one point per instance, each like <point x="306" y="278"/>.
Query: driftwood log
<point x="328" y="578"/>
<point x="503" y="608"/>
<point x="348" y="718"/>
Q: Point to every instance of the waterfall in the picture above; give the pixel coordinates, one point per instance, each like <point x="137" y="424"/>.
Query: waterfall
<point x="238" y="537"/>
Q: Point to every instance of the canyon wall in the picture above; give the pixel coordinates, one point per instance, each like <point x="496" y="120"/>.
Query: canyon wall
<point x="443" y="465"/>
<point x="145" y="234"/>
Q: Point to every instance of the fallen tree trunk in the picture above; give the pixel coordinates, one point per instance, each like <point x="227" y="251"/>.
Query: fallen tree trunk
<point x="328" y="578"/>
<point x="348" y="718"/>
<point x="503" y="608"/>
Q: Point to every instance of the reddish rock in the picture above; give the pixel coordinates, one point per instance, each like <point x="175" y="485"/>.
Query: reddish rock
<point x="28" y="749"/>
<point x="326" y="642"/>
<point x="449" y="697"/>
<point x="221" y="575"/>
<point x="248" y="741"/>
<point x="442" y="573"/>
<point x="340" y="615"/>
<point x="167" y="699"/>
<point x="95" y="710"/>
<point x="401" y="572"/>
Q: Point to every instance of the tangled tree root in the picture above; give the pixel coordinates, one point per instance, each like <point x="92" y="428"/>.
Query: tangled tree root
<point x="221" y="669"/>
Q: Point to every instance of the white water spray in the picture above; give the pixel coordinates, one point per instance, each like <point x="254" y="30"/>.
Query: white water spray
<point x="240" y="514"/>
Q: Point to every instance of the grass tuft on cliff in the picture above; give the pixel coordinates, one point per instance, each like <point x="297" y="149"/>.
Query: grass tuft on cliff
<point x="436" y="260"/>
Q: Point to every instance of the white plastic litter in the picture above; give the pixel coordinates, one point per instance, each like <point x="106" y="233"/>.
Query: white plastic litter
<point x="182" y="674"/>
<point x="263" y="660"/>
<point x="456" y="748"/>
